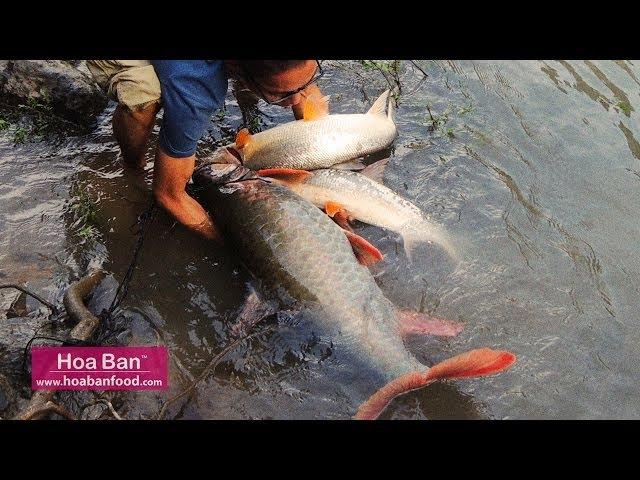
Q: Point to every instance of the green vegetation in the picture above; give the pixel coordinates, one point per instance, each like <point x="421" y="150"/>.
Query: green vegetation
<point x="440" y="122"/>
<point x="20" y="135"/>
<point x="255" y="123"/>
<point x="625" y="107"/>
<point x="464" y="110"/>
<point x="390" y="70"/>
<point x="437" y="121"/>
<point x="30" y="121"/>
<point x="388" y="66"/>
<point x="85" y="214"/>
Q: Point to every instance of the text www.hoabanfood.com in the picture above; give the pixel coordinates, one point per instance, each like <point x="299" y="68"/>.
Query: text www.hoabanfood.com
<point x="89" y="381"/>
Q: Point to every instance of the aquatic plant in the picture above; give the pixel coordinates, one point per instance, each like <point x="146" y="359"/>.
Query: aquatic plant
<point x="20" y="135"/>
<point x="86" y="216"/>
<point x="625" y="107"/>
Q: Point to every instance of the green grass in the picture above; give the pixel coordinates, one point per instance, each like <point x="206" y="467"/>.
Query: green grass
<point x="434" y="122"/>
<point x="464" y="110"/>
<point x="625" y="107"/>
<point x="84" y="210"/>
<point x="20" y="135"/>
<point x="388" y="66"/>
<point x="30" y="121"/>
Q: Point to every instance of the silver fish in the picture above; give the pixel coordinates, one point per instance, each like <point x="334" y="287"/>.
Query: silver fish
<point x="366" y="200"/>
<point x="314" y="142"/>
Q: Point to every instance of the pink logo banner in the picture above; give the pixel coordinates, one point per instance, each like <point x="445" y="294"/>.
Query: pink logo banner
<point x="99" y="368"/>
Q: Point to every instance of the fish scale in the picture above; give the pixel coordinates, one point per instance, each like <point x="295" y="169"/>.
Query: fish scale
<point x="319" y="143"/>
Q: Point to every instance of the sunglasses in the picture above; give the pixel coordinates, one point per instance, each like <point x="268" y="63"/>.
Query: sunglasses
<point x="287" y="95"/>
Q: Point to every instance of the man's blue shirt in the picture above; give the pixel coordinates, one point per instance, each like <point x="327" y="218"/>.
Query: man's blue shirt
<point x="192" y="90"/>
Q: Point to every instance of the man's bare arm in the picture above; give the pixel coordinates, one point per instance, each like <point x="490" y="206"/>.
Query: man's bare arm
<point x="170" y="178"/>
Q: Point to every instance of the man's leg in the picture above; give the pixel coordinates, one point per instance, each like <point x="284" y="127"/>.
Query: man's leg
<point x="132" y="129"/>
<point x="135" y="86"/>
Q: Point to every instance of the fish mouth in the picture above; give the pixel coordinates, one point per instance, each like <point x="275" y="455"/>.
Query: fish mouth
<point x="222" y="173"/>
<point x="226" y="155"/>
<point x="231" y="150"/>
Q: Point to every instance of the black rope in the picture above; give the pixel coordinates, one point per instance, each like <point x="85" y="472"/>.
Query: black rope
<point x="144" y="219"/>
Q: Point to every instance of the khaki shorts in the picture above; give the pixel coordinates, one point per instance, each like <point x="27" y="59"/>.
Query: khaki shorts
<point x="132" y="83"/>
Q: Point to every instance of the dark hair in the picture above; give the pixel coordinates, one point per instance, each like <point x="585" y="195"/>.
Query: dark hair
<point x="266" y="68"/>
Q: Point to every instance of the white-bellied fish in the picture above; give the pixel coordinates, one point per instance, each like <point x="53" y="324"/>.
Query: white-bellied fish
<point x="354" y="195"/>
<point x="316" y="141"/>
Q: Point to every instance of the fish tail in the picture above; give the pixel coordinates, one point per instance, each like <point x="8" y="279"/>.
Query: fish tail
<point x="426" y="232"/>
<point x="476" y="363"/>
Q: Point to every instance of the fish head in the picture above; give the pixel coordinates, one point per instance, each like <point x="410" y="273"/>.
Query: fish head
<point x="229" y="154"/>
<point x="222" y="173"/>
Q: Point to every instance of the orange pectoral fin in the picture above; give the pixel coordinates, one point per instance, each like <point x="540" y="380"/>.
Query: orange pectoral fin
<point x="332" y="208"/>
<point x="287" y="175"/>
<point x="242" y="138"/>
<point x="315" y="107"/>
<point x="475" y="363"/>
<point x="366" y="253"/>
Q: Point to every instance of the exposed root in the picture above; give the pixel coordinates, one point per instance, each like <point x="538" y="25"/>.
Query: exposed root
<point x="74" y="304"/>
<point x="41" y="404"/>
<point x="50" y="306"/>
<point x="42" y="410"/>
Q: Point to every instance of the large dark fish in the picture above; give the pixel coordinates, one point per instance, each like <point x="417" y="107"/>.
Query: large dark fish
<point x="298" y="250"/>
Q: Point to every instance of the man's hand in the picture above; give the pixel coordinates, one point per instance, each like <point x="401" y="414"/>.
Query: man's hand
<point x="170" y="178"/>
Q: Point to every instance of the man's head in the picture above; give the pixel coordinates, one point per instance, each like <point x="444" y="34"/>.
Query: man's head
<point x="280" y="82"/>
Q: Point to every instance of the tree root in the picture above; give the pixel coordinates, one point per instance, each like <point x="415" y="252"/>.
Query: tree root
<point x="41" y="402"/>
<point x="50" y="306"/>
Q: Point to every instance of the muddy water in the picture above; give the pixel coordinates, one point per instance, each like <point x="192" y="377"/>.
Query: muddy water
<point x="534" y="167"/>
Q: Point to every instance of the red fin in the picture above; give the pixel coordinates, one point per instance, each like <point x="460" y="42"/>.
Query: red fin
<point x="289" y="175"/>
<point x="421" y="323"/>
<point x="366" y="253"/>
<point x="342" y="219"/>
<point x="475" y="363"/>
<point x="315" y="107"/>
<point x="332" y="208"/>
<point x="242" y="138"/>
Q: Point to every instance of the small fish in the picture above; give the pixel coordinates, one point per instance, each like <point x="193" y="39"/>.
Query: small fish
<point x="346" y="195"/>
